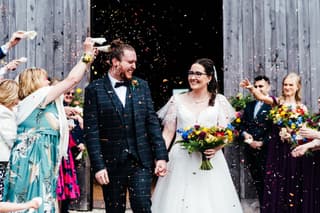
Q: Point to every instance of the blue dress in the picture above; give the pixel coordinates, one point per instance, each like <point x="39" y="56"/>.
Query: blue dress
<point x="33" y="165"/>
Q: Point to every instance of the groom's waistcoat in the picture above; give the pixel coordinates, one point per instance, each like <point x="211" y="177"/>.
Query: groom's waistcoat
<point x="129" y="137"/>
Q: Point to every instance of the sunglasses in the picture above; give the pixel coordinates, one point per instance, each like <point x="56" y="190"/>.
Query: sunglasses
<point x="70" y="93"/>
<point x="258" y="86"/>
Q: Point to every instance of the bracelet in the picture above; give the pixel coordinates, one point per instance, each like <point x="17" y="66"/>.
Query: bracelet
<point x="87" y="58"/>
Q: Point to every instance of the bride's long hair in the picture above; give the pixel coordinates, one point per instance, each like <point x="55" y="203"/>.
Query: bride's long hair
<point x="210" y="71"/>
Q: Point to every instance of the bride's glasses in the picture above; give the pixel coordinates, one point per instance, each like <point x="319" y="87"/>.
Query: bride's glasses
<point x="197" y="74"/>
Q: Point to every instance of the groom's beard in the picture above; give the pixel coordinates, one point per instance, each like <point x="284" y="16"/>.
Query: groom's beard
<point x="124" y="77"/>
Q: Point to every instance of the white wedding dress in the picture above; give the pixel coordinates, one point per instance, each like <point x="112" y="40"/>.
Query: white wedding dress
<point x="186" y="188"/>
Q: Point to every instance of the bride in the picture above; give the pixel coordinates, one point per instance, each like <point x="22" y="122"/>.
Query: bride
<point x="186" y="188"/>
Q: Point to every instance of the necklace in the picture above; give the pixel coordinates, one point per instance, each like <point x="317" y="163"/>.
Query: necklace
<point x="199" y="100"/>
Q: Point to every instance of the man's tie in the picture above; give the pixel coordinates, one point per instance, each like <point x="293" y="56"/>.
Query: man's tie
<point x="257" y="108"/>
<point x="121" y="83"/>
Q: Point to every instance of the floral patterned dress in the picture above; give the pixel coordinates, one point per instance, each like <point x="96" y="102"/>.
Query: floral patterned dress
<point x="34" y="161"/>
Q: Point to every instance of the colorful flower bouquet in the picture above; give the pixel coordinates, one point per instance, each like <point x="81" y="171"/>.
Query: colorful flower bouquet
<point x="239" y="101"/>
<point x="313" y="122"/>
<point x="290" y="119"/>
<point x="199" y="138"/>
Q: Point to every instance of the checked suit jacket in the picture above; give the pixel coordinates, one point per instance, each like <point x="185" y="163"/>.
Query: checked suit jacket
<point x="103" y="125"/>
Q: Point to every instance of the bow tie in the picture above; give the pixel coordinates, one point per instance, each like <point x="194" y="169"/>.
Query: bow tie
<point x="121" y="83"/>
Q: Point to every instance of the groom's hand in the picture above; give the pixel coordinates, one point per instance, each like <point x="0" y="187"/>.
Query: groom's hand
<point x="161" y="168"/>
<point x="102" y="177"/>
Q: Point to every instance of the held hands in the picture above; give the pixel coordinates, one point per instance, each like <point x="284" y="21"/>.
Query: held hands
<point x="161" y="168"/>
<point x="256" y="144"/>
<point x="102" y="177"/>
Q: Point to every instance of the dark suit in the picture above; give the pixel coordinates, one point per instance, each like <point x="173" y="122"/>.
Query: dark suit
<point x="125" y="140"/>
<point x="2" y="54"/>
<point x="259" y="128"/>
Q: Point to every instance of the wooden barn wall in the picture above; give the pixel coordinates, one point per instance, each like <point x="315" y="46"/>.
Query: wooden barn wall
<point x="273" y="38"/>
<point x="61" y="25"/>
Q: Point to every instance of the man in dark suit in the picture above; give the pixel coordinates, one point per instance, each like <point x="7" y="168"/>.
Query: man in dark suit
<point x="255" y="128"/>
<point x="123" y="134"/>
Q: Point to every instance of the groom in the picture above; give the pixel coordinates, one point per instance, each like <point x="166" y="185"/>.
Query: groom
<point x="123" y="134"/>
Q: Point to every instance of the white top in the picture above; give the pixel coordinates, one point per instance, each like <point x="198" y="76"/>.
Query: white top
<point x="8" y="132"/>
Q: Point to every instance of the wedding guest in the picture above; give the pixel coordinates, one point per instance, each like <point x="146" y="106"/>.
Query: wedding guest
<point x="42" y="134"/>
<point x="186" y="188"/>
<point x="255" y="128"/>
<point x="8" y="127"/>
<point x="310" y="134"/>
<point x="68" y="188"/>
<point x="288" y="181"/>
<point x="123" y="134"/>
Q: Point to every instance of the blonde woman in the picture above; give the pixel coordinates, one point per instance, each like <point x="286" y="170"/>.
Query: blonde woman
<point x="42" y="134"/>
<point x="289" y="185"/>
<point x="8" y="127"/>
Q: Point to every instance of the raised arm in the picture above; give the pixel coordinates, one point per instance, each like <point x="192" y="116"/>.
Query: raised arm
<point x="76" y="74"/>
<point x="255" y="92"/>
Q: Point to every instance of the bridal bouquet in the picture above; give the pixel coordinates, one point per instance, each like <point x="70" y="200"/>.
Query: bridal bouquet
<point x="199" y="138"/>
<point x="290" y="119"/>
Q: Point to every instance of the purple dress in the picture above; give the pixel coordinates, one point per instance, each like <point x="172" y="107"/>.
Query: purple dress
<point x="291" y="184"/>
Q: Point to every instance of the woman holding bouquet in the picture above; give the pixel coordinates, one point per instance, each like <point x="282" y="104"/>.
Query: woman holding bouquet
<point x="289" y="185"/>
<point x="186" y="188"/>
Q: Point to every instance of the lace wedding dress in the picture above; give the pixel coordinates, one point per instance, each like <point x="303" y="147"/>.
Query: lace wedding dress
<point x="186" y="188"/>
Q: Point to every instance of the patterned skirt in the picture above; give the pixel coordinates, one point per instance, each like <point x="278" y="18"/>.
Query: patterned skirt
<point x="67" y="187"/>
<point x="3" y="169"/>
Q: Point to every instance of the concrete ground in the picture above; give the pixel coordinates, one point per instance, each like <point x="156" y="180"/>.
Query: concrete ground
<point x="248" y="205"/>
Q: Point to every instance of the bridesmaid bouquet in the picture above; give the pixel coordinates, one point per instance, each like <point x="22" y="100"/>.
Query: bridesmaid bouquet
<point x="313" y="122"/>
<point x="199" y="138"/>
<point x="291" y="120"/>
<point x="239" y="102"/>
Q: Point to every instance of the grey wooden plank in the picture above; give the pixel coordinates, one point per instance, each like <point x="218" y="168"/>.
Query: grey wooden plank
<point x="292" y="35"/>
<point x="58" y="39"/>
<point x="304" y="49"/>
<point x="314" y="14"/>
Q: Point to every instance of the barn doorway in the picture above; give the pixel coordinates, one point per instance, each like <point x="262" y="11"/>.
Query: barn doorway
<point x="167" y="35"/>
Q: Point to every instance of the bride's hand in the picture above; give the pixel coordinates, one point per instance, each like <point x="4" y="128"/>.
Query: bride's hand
<point x="210" y="153"/>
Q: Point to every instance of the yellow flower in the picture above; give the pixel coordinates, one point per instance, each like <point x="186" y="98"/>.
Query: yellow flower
<point x="238" y="120"/>
<point x="209" y="138"/>
<point x="79" y="90"/>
